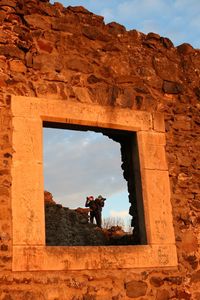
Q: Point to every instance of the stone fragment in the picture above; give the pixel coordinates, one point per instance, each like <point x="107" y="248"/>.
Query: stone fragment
<point x="177" y="280"/>
<point x="93" y="79"/>
<point x="2" y="16"/>
<point x="61" y="25"/>
<point x="193" y="261"/>
<point x="110" y="47"/>
<point x="196" y="204"/>
<point x="11" y="51"/>
<point x="79" y="9"/>
<point x="138" y="101"/>
<point x="115" y="28"/>
<point x="135" y="289"/>
<point x="167" y="42"/>
<point x="152" y="35"/>
<point x="79" y="65"/>
<point x="11" y="3"/>
<point x="195" y="277"/>
<point x="17" y="66"/>
<point x="170" y="87"/>
<point x="47" y="63"/>
<point x="185" y="48"/>
<point x="93" y="33"/>
<point x="45" y="46"/>
<point x="197" y="92"/>
<point x="183" y="295"/>
<point x="156" y="281"/>
<point x="162" y="295"/>
<point x="38" y="21"/>
<point x="165" y="69"/>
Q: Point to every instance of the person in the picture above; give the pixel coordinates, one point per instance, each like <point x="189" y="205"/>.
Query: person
<point x="99" y="201"/>
<point x="95" y="208"/>
<point x="91" y="204"/>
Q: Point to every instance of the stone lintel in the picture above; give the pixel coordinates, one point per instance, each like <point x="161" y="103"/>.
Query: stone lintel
<point x="42" y="258"/>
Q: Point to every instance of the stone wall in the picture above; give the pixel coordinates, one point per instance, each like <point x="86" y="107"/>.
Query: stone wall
<point x="69" y="53"/>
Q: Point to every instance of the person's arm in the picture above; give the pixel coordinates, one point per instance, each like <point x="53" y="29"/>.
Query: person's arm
<point x="87" y="202"/>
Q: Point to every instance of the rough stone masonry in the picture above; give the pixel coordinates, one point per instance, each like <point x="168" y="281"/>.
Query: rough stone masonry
<point x="69" y="53"/>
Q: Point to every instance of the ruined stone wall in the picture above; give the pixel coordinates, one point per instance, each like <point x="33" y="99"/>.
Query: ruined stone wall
<point x="69" y="53"/>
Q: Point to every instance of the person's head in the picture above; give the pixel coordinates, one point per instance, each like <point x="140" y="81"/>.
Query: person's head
<point x="90" y="198"/>
<point x="101" y="198"/>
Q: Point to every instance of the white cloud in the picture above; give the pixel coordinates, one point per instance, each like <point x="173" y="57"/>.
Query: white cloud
<point x="81" y="163"/>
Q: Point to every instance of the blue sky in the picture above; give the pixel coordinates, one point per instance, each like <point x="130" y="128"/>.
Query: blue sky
<point x="100" y="173"/>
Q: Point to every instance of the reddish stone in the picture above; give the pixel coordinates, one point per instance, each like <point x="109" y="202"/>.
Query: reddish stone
<point x="115" y="28"/>
<point x="185" y="48"/>
<point x="197" y="92"/>
<point x="11" y="3"/>
<point x="195" y="277"/>
<point x="38" y="21"/>
<point x="80" y="65"/>
<point x="167" y="42"/>
<point x="182" y="295"/>
<point x="152" y="35"/>
<point x="45" y="46"/>
<point x="2" y="16"/>
<point x="170" y="87"/>
<point x="93" y="33"/>
<point x="156" y="281"/>
<point x="162" y="295"/>
<point x="93" y="79"/>
<point x="11" y="51"/>
<point x="79" y="9"/>
<point x="135" y="289"/>
<point x="177" y="280"/>
<point x="48" y="198"/>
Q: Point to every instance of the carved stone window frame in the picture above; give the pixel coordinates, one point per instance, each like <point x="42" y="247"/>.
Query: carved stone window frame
<point x="28" y="221"/>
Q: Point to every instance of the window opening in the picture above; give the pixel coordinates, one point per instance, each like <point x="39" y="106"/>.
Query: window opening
<point x="67" y="222"/>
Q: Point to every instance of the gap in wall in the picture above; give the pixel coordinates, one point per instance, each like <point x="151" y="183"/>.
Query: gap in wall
<point x="77" y="163"/>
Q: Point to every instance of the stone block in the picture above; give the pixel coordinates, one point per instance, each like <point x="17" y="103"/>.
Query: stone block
<point x="136" y="289"/>
<point x="17" y="66"/>
<point x="157" y="206"/>
<point x="38" y="21"/>
<point x="27" y="204"/>
<point x="29" y="148"/>
<point x="152" y="150"/>
<point x="158" y="122"/>
<point x="170" y="87"/>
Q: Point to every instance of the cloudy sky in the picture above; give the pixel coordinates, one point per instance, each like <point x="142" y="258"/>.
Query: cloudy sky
<point x="78" y="164"/>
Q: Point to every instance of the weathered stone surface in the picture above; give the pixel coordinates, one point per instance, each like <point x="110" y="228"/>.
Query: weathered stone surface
<point x="170" y="87"/>
<point x="115" y="28"/>
<point x="11" y="3"/>
<point x="38" y="21"/>
<point x="136" y="289"/>
<point x="185" y="48"/>
<point x="11" y="51"/>
<point x="162" y="295"/>
<point x="79" y="65"/>
<point x="93" y="33"/>
<point x="156" y="281"/>
<point x="195" y="277"/>
<point x="45" y="46"/>
<point x="17" y="66"/>
<point x="166" y="69"/>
